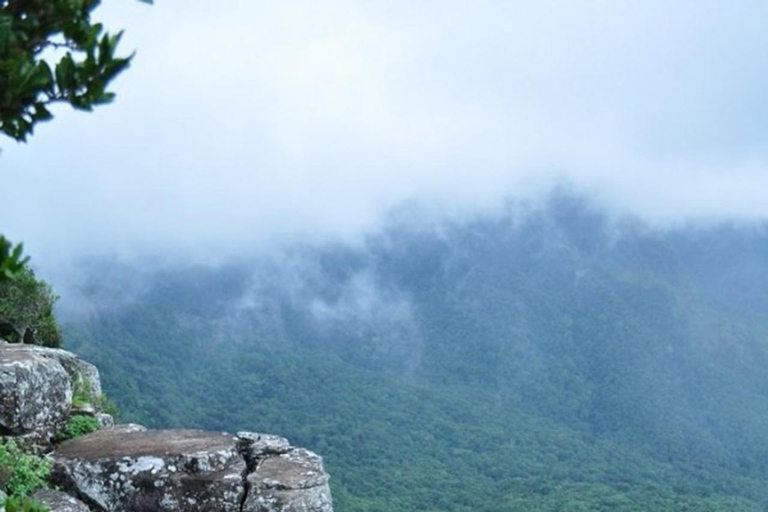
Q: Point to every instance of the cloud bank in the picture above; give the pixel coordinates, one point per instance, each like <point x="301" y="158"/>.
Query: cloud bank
<point x="246" y="123"/>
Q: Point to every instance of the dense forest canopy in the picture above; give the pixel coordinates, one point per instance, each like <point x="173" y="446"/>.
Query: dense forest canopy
<point x="548" y="359"/>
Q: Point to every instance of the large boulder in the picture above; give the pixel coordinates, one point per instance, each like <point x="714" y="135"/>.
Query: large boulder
<point x="122" y="469"/>
<point x="292" y="481"/>
<point x="153" y="471"/>
<point x="76" y="368"/>
<point x="35" y="393"/>
<point x="58" y="501"/>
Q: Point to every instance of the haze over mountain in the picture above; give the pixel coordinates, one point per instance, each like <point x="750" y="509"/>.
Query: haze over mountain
<point x="262" y="122"/>
<point x="548" y="358"/>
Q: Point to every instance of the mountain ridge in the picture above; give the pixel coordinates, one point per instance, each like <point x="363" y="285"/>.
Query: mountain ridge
<point x="551" y="359"/>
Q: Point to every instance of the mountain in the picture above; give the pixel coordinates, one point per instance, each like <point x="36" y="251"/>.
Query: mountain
<point x="548" y="358"/>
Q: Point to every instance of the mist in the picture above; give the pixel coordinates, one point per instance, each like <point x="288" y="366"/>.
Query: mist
<point x="239" y="129"/>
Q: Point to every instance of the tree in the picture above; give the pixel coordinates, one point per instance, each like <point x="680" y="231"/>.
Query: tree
<point x="12" y="260"/>
<point x="50" y="52"/>
<point x="34" y="73"/>
<point x="26" y="311"/>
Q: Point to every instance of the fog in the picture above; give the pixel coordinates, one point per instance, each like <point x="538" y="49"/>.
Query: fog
<point x="255" y="123"/>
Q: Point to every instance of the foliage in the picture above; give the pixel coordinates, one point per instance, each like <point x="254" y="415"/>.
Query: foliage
<point x="81" y="393"/>
<point x="21" y="473"/>
<point x="105" y="405"/>
<point x="12" y="261"/>
<point x="33" y="72"/>
<point x="26" y="310"/>
<point x="79" y="426"/>
<point x="549" y="362"/>
<point x="34" y="33"/>
<point x="15" y="504"/>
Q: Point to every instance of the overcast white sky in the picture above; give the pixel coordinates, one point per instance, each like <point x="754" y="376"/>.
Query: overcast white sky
<point x="243" y="121"/>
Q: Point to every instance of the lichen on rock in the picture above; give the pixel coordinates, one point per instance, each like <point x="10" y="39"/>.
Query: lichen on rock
<point x="293" y="481"/>
<point x="35" y="394"/>
<point x="153" y="470"/>
<point x="58" y="501"/>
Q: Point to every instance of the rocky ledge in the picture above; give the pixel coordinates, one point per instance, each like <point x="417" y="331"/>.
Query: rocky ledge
<point x="127" y="468"/>
<point x="190" y="470"/>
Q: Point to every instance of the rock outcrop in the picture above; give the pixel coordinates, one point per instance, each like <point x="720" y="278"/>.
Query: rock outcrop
<point x="290" y="481"/>
<point x="35" y="394"/>
<point x="115" y="470"/>
<point x="153" y="470"/>
<point x="127" y="468"/>
<point x="58" y="501"/>
<point x="76" y="368"/>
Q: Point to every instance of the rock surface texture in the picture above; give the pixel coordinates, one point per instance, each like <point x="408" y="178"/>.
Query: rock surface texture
<point x="127" y="468"/>
<point x="35" y="394"/>
<point x="291" y="481"/>
<point x="115" y="470"/>
<point x="153" y="470"/>
<point x="58" y="501"/>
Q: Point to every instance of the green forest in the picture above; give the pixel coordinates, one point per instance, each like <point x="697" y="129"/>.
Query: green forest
<point x="544" y="359"/>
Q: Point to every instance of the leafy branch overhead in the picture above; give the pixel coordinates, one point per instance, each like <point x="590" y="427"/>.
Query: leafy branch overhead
<point x="51" y="52"/>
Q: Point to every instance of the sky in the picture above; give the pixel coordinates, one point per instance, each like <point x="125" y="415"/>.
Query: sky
<point x="242" y="123"/>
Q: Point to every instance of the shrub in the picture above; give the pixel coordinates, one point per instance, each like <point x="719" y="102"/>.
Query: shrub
<point x="79" y="426"/>
<point x="81" y="394"/>
<point x="104" y="404"/>
<point x="16" y="504"/>
<point x="21" y="473"/>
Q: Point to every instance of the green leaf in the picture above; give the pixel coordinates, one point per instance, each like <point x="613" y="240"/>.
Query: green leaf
<point x="65" y="73"/>
<point x="12" y="260"/>
<point x="42" y="113"/>
<point x="104" y="98"/>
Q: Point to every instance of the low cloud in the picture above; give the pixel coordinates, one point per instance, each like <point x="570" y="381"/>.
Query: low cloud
<point x="266" y="122"/>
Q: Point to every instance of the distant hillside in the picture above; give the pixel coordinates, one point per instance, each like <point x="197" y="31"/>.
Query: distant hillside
<point x="548" y="359"/>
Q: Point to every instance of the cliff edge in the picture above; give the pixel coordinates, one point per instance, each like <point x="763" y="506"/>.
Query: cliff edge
<point x="128" y="468"/>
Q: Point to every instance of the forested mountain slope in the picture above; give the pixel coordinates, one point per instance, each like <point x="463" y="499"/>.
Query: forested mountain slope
<point x="547" y="359"/>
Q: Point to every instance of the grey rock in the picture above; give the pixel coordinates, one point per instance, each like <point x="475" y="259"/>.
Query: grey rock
<point x="255" y="446"/>
<point x="294" y="481"/>
<point x="35" y="393"/>
<point x="84" y="410"/>
<point x="125" y="428"/>
<point x="153" y="471"/>
<point x="106" y="420"/>
<point x="75" y="367"/>
<point x="58" y="501"/>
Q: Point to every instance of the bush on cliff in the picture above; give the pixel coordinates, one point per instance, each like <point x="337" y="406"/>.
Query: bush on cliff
<point x="79" y="426"/>
<point x="26" y="311"/>
<point x="24" y="505"/>
<point x="21" y="473"/>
